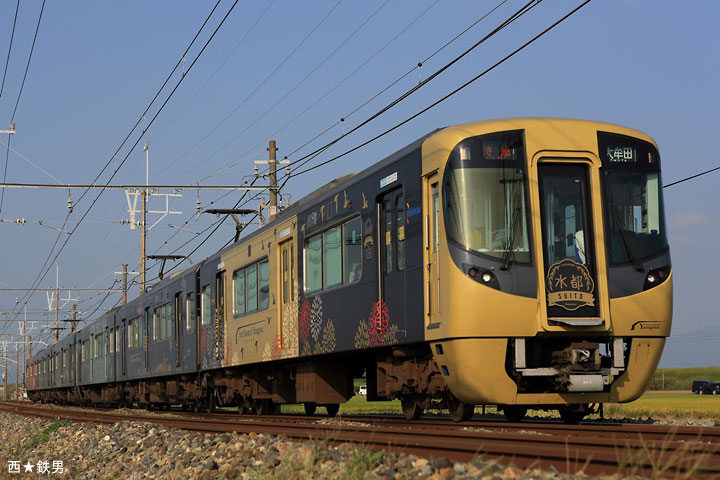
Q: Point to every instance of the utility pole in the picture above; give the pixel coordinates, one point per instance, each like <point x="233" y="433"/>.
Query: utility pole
<point x="24" y="341"/>
<point x="124" y="274"/>
<point x="5" y="393"/>
<point x="143" y="206"/>
<point x="273" y="180"/>
<point x="17" y="371"/>
<point x="74" y="320"/>
<point x="57" y="301"/>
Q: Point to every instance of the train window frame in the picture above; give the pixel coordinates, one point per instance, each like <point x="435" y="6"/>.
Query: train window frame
<point x="460" y="155"/>
<point x="189" y="311"/>
<point x="292" y="272"/>
<point x="205" y="305"/>
<point x="332" y="257"/>
<point x="400" y="216"/>
<point x="263" y="286"/>
<point x="134" y="328"/>
<point x="239" y="308"/>
<point x="262" y="298"/>
<point x="351" y="270"/>
<point x="645" y="162"/>
<point x="162" y="319"/>
<point x="251" y="302"/>
<point x="344" y="275"/>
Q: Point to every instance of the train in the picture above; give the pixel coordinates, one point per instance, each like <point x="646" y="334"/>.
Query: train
<point x="520" y="262"/>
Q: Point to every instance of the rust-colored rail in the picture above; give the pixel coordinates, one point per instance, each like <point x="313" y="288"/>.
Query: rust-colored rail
<point x="595" y="448"/>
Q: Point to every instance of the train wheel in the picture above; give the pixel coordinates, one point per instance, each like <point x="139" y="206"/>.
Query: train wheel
<point x="573" y="414"/>
<point x="265" y="406"/>
<point x="310" y="408"/>
<point x="459" y="410"/>
<point x="411" y="407"/>
<point x="332" y="409"/>
<point x="209" y="403"/>
<point x="243" y="408"/>
<point x="514" y="413"/>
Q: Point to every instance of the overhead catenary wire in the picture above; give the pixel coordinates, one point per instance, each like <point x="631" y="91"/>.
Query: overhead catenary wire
<point x="527" y="7"/>
<point x="434" y="104"/>
<point x="12" y="37"/>
<point x="401" y="77"/>
<point x="512" y="18"/>
<point x="297" y="85"/>
<point x="17" y="102"/>
<point x="691" y="177"/>
<point x="222" y="64"/>
<point x="261" y="83"/>
<point x="42" y="274"/>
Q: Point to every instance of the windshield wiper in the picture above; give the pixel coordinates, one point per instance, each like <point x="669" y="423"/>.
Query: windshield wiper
<point x="629" y="246"/>
<point x="510" y="240"/>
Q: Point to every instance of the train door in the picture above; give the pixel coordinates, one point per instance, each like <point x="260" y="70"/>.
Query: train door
<point x="391" y="260"/>
<point x="146" y="339"/>
<point x="287" y="282"/>
<point x="220" y="315"/>
<point x="431" y="228"/>
<point x="178" y="326"/>
<point x="106" y="349"/>
<point x="123" y="347"/>
<point x="568" y="246"/>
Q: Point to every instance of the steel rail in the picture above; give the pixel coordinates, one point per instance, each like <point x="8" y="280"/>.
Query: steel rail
<point x="588" y="453"/>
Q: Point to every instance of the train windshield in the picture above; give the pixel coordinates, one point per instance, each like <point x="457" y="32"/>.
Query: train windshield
<point x="632" y="188"/>
<point x="484" y="196"/>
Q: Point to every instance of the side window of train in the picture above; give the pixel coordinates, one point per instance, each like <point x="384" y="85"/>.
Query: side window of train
<point x="118" y="339"/>
<point x="264" y="284"/>
<point x="251" y="288"/>
<point x="292" y="270"/>
<point x="435" y="216"/>
<point x="206" y="308"/>
<point x="189" y="311"/>
<point x="162" y="318"/>
<point x="333" y="257"/>
<point x="400" y="229"/>
<point x="388" y="220"/>
<point x="352" y="250"/>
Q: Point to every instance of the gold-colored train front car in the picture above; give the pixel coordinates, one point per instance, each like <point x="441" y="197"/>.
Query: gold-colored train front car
<point x="548" y="277"/>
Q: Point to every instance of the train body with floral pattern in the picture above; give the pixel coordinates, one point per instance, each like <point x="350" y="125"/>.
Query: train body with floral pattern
<point x="519" y="263"/>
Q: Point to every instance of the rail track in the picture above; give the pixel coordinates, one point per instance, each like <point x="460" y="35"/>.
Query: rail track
<point x="593" y="448"/>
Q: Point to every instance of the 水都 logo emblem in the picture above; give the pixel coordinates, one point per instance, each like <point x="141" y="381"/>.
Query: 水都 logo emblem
<point x="569" y="285"/>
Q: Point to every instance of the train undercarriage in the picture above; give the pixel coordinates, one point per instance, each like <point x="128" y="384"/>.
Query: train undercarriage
<point x="408" y="374"/>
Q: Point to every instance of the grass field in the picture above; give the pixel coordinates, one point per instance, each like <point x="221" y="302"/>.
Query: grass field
<point x="670" y="379"/>
<point x="658" y="405"/>
<point x="675" y="401"/>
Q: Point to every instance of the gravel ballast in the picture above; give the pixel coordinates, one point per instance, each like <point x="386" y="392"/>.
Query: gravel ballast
<point x="135" y="450"/>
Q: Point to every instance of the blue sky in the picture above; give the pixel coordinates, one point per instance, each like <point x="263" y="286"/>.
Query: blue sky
<point x="650" y="65"/>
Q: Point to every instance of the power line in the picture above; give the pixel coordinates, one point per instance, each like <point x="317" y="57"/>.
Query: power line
<point x="27" y="66"/>
<point x="507" y="22"/>
<point x="42" y="274"/>
<point x="472" y="80"/>
<point x="12" y="36"/>
<point x="193" y="186"/>
<point x="691" y="177"/>
<point x="519" y="13"/>
<point x="260" y="84"/>
<point x="17" y="102"/>
<point x="222" y="64"/>
<point x="299" y="83"/>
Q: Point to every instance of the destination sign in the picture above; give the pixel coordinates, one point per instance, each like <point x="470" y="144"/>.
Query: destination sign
<point x="498" y="150"/>
<point x="623" y="154"/>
